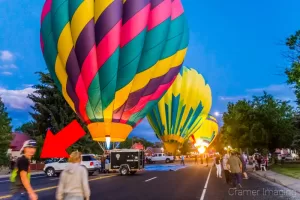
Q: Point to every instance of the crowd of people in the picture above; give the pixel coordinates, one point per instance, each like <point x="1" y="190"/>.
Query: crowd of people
<point x="73" y="183"/>
<point x="233" y="165"/>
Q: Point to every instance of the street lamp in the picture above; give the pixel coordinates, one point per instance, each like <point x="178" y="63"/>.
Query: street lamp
<point x="107" y="139"/>
<point x="217" y="114"/>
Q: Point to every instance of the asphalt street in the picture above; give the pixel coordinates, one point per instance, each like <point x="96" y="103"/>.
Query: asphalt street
<point x="190" y="183"/>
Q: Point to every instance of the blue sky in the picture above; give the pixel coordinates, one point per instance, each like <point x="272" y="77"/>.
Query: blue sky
<point x="236" y="45"/>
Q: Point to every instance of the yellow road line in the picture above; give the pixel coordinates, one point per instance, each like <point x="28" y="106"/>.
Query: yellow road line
<point x="53" y="187"/>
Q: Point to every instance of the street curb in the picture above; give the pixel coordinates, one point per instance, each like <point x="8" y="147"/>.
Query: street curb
<point x="275" y="181"/>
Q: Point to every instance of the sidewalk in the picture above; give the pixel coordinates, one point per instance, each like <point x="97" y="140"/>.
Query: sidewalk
<point x="288" y="182"/>
<point x="32" y="173"/>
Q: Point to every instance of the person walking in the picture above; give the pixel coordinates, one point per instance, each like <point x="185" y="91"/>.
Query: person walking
<point x="259" y="160"/>
<point x="201" y="158"/>
<point x="206" y="158"/>
<point x="244" y="165"/>
<point x="20" y="177"/>
<point x="218" y="166"/>
<point x="73" y="182"/>
<point x="226" y="168"/>
<point x="235" y="167"/>
<point x="103" y="163"/>
<point x="182" y="160"/>
<point x="196" y="159"/>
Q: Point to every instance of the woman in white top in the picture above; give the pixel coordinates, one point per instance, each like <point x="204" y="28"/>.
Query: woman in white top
<point x="73" y="183"/>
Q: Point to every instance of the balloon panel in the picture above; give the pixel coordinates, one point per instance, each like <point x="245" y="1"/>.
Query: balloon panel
<point x="183" y="108"/>
<point x="207" y="131"/>
<point x="113" y="60"/>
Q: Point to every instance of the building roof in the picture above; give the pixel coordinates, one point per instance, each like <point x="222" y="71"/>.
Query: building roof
<point x="18" y="140"/>
<point x="154" y="150"/>
<point x="137" y="146"/>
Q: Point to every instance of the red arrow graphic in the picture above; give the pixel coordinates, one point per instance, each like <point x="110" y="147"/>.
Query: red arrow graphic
<point x="55" y="145"/>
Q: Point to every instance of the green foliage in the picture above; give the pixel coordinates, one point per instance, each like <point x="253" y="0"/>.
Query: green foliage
<point x="5" y="134"/>
<point x="263" y="122"/>
<point x="186" y="148"/>
<point x="296" y="142"/>
<point x="28" y="128"/>
<point x="293" y="72"/>
<point x="219" y="143"/>
<point x="51" y="111"/>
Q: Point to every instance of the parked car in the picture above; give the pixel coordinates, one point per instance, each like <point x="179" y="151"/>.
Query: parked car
<point x="160" y="157"/>
<point x="288" y="157"/>
<point x="51" y="160"/>
<point x="87" y="160"/>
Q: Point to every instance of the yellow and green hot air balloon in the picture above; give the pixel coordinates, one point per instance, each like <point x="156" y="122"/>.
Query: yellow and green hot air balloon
<point x="182" y="109"/>
<point x="113" y="60"/>
<point x="205" y="135"/>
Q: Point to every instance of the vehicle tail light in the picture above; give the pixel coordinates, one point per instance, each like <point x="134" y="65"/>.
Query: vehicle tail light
<point x="91" y="163"/>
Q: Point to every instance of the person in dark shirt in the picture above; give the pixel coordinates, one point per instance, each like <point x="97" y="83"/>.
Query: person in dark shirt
<point x="20" y="177"/>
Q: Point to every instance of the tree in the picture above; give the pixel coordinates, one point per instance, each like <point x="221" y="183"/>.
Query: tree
<point x="28" y="128"/>
<point x="296" y="142"/>
<point x="186" y="148"/>
<point x="237" y="124"/>
<point x="5" y="134"/>
<point x="263" y="122"/>
<point x="293" y="72"/>
<point x="219" y="142"/>
<point x="51" y="111"/>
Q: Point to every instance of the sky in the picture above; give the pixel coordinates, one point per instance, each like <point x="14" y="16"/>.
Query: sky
<point x="236" y="45"/>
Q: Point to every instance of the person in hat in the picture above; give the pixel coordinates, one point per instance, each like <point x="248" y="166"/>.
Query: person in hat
<point x="20" y="177"/>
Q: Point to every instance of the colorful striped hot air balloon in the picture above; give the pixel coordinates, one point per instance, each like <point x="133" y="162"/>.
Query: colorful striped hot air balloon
<point x="182" y="109"/>
<point x="113" y="59"/>
<point x="205" y="135"/>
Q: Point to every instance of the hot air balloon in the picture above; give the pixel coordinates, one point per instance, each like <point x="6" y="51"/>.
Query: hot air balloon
<point x="113" y="60"/>
<point x="182" y="109"/>
<point x="205" y="135"/>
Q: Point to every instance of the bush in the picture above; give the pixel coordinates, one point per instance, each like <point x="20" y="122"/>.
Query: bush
<point x="4" y="160"/>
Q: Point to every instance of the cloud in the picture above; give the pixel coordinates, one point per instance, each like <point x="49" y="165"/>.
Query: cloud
<point x="6" y="73"/>
<point x="279" y="91"/>
<point x="6" y="55"/>
<point x="8" y="66"/>
<point x="232" y="98"/>
<point x="144" y="130"/>
<point x="28" y="85"/>
<point x="16" y="99"/>
<point x="270" y="88"/>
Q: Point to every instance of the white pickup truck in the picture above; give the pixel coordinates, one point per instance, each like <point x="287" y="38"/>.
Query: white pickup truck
<point x="159" y="157"/>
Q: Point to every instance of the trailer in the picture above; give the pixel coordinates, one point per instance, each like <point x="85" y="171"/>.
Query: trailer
<point x="126" y="161"/>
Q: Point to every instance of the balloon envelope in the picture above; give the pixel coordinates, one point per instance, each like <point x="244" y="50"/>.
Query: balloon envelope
<point x="113" y="60"/>
<point x="182" y="109"/>
<point x="206" y="133"/>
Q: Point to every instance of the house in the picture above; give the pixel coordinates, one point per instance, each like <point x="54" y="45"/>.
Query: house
<point x="151" y="150"/>
<point x="137" y="146"/>
<point x="17" y="143"/>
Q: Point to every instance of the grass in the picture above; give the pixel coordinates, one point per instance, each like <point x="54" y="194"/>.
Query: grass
<point x="292" y="170"/>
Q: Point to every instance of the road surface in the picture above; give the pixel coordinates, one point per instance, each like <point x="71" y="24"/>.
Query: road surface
<point x="157" y="183"/>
